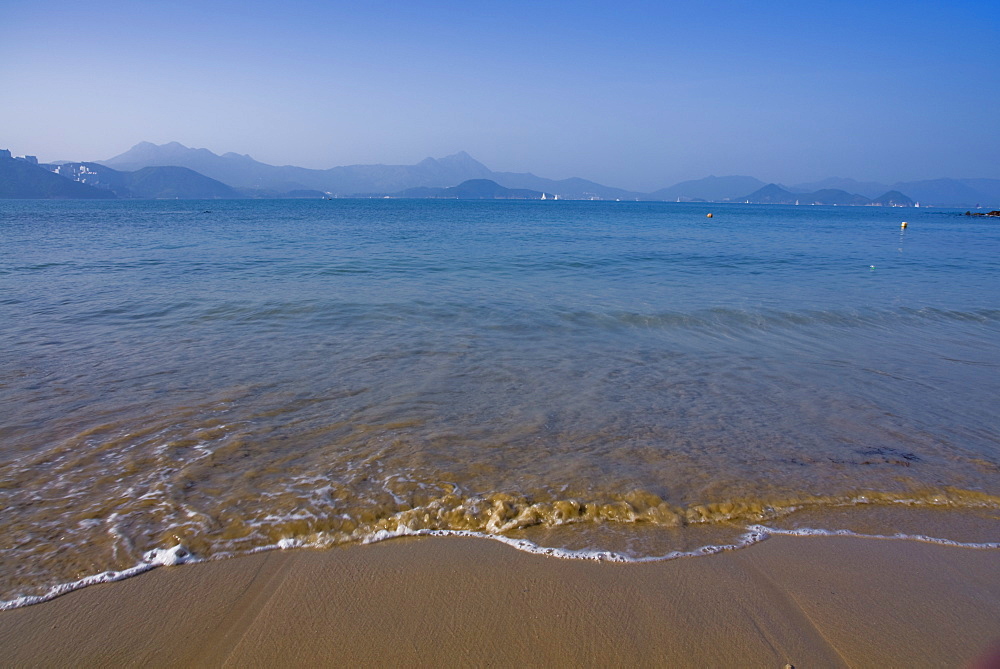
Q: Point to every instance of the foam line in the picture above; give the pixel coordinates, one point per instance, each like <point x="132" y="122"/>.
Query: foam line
<point x="754" y="535"/>
<point x="151" y="560"/>
<point x="817" y="532"/>
<point x="749" y="538"/>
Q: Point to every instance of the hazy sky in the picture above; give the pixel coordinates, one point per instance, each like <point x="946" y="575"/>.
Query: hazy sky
<point x="630" y="94"/>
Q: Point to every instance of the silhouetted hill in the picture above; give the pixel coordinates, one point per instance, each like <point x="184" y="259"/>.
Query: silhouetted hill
<point x="833" y="196"/>
<point x="148" y="182"/>
<point x="177" y="182"/>
<point x="474" y="189"/>
<point x="770" y="194"/>
<point x="710" y="189"/>
<point x="893" y="199"/>
<point x="869" y="189"/>
<point x="23" y="180"/>
<point x="92" y="174"/>
<point x="573" y="188"/>
<point x="774" y="194"/>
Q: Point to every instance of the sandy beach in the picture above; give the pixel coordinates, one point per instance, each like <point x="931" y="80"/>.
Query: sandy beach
<point x="804" y="601"/>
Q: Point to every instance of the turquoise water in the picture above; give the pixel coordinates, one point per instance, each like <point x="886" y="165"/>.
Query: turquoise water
<point x="582" y="376"/>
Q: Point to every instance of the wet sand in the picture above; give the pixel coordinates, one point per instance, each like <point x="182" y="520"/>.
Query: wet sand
<point x="804" y="601"/>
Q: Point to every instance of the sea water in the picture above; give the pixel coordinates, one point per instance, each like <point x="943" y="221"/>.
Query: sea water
<point x="186" y="380"/>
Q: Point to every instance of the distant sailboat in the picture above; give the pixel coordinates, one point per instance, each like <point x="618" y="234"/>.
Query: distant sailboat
<point x="543" y="196"/>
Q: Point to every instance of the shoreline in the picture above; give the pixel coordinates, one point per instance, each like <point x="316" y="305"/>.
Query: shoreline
<point x="799" y="600"/>
<point x="752" y="535"/>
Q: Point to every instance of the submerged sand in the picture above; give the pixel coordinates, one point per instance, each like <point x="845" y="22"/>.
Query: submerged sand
<point x="804" y="601"/>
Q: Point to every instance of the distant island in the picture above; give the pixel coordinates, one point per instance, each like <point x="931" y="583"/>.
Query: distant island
<point x="172" y="170"/>
<point x="774" y="194"/>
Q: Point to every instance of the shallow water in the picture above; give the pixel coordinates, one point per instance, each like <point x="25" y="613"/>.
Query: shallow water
<point x="590" y="376"/>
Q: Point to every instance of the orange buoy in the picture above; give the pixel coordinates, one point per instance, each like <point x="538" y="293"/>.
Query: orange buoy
<point x="903" y="225"/>
<point x="709" y="216"/>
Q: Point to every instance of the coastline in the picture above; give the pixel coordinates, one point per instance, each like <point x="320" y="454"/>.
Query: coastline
<point x="804" y="601"/>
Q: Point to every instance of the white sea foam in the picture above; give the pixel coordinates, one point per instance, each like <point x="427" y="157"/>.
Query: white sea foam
<point x="818" y="532"/>
<point x="754" y="534"/>
<point x="151" y="560"/>
<point x="167" y="557"/>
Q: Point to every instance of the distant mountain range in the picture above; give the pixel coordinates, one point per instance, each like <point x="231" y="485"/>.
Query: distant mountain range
<point x="256" y="178"/>
<point x="174" y="170"/>
<point x="253" y="177"/>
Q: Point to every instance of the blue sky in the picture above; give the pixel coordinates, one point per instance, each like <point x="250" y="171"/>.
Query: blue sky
<point x="631" y="94"/>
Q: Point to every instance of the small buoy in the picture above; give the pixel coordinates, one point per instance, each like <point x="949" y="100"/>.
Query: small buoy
<point x="872" y="267"/>
<point x="903" y="224"/>
<point x="709" y="216"/>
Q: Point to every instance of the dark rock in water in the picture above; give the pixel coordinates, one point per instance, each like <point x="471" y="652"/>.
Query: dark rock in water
<point x="994" y="213"/>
